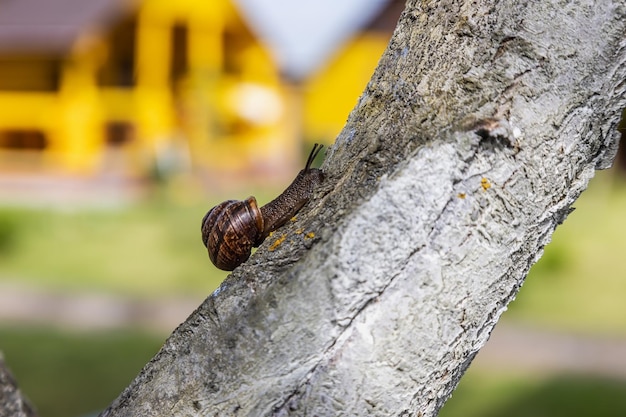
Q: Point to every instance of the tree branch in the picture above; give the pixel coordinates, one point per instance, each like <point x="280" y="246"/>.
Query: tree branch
<point x="481" y="126"/>
<point x="12" y="402"/>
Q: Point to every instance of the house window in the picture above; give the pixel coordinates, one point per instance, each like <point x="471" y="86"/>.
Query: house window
<point x="29" y="73"/>
<point x="28" y="139"/>
<point x="235" y="45"/>
<point x="119" y="68"/>
<point x="119" y="133"/>
<point x="179" y="63"/>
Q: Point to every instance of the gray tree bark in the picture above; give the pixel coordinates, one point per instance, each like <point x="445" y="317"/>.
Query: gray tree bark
<point x="481" y="126"/>
<point x="12" y="401"/>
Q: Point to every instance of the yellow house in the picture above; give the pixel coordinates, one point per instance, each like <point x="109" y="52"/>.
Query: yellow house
<point x="130" y="86"/>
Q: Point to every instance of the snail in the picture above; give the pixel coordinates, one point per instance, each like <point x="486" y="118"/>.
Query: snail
<point x="231" y="229"/>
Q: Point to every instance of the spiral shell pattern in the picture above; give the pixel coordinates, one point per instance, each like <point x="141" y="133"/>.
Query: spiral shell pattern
<point x="230" y="230"/>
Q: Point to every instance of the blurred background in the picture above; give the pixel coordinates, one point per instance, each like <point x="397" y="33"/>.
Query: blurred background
<point x="123" y="121"/>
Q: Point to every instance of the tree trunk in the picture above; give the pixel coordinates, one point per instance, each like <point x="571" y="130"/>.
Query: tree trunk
<point x="481" y="126"/>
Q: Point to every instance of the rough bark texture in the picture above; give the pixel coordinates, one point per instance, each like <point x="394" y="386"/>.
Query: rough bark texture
<point x="12" y="402"/>
<point x="481" y="126"/>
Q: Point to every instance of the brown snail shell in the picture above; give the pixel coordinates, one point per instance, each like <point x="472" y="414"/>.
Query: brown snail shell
<point x="231" y="229"/>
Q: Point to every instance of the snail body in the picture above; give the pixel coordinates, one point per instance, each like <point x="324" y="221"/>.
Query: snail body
<point x="231" y="229"/>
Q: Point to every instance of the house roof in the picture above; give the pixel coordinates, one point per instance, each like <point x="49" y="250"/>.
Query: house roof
<point x="303" y="35"/>
<point x="51" y="25"/>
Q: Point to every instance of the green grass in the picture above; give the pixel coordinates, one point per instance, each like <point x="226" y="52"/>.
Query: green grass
<point x="483" y="394"/>
<point x="67" y="374"/>
<point x="149" y="249"/>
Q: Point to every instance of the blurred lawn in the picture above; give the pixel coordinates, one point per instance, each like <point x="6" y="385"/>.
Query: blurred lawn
<point x="483" y="394"/>
<point x="153" y="249"/>
<point x="67" y="374"/>
<point x="149" y="249"/>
